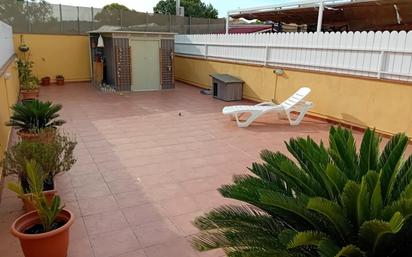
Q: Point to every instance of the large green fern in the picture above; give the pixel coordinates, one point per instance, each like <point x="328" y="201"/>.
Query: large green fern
<point x="332" y="201"/>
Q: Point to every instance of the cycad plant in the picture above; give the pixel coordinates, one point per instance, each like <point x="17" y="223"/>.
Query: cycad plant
<point x="34" y="116"/>
<point x="329" y="202"/>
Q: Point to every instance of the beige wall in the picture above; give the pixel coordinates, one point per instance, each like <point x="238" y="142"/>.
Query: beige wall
<point x="9" y="90"/>
<point x="387" y="106"/>
<point x="67" y="55"/>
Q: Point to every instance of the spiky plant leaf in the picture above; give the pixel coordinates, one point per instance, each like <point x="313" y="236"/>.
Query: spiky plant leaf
<point x="368" y="153"/>
<point x="333" y="213"/>
<point x="350" y="251"/>
<point x="389" y="161"/>
<point x="342" y="150"/>
<point x="373" y="232"/>
<point x="306" y="238"/>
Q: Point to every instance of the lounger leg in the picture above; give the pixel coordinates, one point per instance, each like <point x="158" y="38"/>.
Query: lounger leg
<point x="249" y="120"/>
<point x="302" y="113"/>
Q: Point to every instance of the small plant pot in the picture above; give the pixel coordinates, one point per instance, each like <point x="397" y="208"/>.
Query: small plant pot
<point x="45" y="81"/>
<point x="51" y="244"/>
<point x="59" y="81"/>
<point x="29" y="94"/>
<point x="45" y="137"/>
<point x="28" y="205"/>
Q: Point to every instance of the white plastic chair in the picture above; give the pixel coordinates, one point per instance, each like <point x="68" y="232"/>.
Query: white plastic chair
<point x="293" y="103"/>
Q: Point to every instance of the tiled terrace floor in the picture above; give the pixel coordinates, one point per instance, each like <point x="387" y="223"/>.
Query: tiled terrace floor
<point x="144" y="171"/>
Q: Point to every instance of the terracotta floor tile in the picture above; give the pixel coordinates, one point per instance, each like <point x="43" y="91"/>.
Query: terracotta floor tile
<point x="78" y="230"/>
<point x="164" y="191"/>
<point x="86" y="179"/>
<point x="92" y="190"/>
<point x="124" y="185"/>
<point x="105" y="222"/>
<point x="138" y="253"/>
<point x="97" y="205"/>
<point x="184" y="222"/>
<point x="178" y="206"/>
<point x="80" y="248"/>
<point x="174" y="248"/>
<point x="143" y="214"/>
<point x="114" y="243"/>
<point x="157" y="232"/>
<point x="131" y="198"/>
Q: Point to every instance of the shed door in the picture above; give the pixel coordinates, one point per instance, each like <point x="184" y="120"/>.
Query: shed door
<point x="145" y="65"/>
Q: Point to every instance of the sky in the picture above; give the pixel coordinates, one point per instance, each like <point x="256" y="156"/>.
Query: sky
<point x="147" y="5"/>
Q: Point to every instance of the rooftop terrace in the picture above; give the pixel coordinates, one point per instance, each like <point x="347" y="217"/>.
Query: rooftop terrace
<point x="148" y="163"/>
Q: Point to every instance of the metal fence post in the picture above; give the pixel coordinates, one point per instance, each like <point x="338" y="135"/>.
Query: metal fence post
<point x="147" y="21"/>
<point x="121" y="18"/>
<point x="61" y="18"/>
<point x="78" y="19"/>
<point x="170" y="22"/>
<point x="190" y="24"/>
<point x="28" y="16"/>
<point x="92" y="10"/>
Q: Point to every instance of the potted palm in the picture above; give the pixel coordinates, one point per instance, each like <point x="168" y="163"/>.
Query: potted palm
<point x="35" y="119"/>
<point x="44" y="231"/>
<point x="328" y="201"/>
<point x="53" y="157"/>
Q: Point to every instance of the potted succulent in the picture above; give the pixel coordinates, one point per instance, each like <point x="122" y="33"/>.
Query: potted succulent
<point x="35" y="119"/>
<point x="45" y="81"/>
<point x="44" y="231"/>
<point x="60" y="80"/>
<point x="53" y="157"/>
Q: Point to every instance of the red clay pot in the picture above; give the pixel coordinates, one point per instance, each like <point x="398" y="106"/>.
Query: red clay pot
<point x="50" y="244"/>
<point x="60" y="81"/>
<point x="45" y="81"/>
<point x="28" y="205"/>
<point x="29" y="94"/>
<point x="45" y="137"/>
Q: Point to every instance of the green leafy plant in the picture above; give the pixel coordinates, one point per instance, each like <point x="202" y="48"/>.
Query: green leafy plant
<point x="34" y="116"/>
<point x="330" y="202"/>
<point x="47" y="212"/>
<point x="53" y="157"/>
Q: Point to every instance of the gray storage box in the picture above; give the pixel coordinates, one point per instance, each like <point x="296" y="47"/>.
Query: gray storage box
<point x="226" y="87"/>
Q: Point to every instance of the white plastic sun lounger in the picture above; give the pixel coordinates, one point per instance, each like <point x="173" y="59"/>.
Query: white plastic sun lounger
<point x="293" y="103"/>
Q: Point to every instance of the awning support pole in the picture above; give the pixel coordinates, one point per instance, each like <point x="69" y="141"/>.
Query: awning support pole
<point x="227" y="23"/>
<point x="320" y="16"/>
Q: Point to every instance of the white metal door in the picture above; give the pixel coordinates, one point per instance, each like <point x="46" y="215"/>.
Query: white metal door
<point x="145" y="65"/>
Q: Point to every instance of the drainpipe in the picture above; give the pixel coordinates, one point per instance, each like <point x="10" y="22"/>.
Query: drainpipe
<point x="320" y="15"/>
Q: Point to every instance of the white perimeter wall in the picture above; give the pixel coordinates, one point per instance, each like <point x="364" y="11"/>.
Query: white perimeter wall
<point x="6" y="43"/>
<point x="370" y="54"/>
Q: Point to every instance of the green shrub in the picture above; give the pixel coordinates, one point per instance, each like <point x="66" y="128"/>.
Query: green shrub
<point x="53" y="157"/>
<point x="331" y="201"/>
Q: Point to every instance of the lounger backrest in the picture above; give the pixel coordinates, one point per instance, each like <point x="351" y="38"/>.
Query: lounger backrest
<point x="295" y="98"/>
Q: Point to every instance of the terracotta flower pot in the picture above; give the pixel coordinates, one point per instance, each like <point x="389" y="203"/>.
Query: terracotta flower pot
<point x="44" y="137"/>
<point x="45" y="81"/>
<point x="60" y="81"/>
<point x="29" y="94"/>
<point x="28" y="205"/>
<point x="51" y="244"/>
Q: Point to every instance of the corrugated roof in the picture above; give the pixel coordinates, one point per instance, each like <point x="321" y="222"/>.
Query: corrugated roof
<point x="354" y="15"/>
